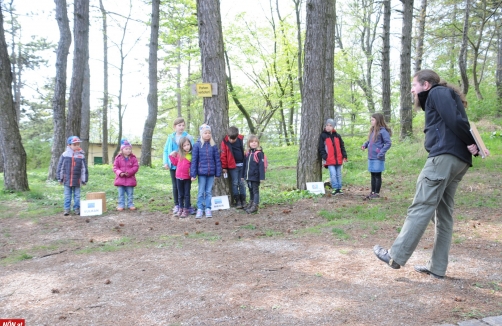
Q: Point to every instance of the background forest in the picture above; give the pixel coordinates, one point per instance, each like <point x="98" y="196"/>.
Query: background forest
<point x="113" y="71"/>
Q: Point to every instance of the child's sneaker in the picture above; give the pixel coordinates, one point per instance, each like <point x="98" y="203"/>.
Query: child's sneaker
<point x="120" y="209"/>
<point x="176" y="209"/>
<point x="374" y="196"/>
<point x="66" y="212"/>
<point x="77" y="211"/>
<point x="191" y="210"/>
<point x="339" y="191"/>
<point x="199" y="213"/>
<point x="132" y="208"/>
<point x="209" y="214"/>
<point x="184" y="213"/>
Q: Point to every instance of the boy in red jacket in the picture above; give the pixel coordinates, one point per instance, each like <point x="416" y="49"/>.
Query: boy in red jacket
<point x="332" y="151"/>
<point x="232" y="161"/>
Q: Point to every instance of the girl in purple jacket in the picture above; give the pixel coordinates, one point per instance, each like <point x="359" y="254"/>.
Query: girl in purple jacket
<point x="125" y="167"/>
<point x="182" y="159"/>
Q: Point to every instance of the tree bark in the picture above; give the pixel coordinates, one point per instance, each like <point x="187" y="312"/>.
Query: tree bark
<point x="213" y="71"/>
<point x="298" y="8"/>
<point x="86" y="110"/>
<point x="309" y="161"/>
<point x="59" y="99"/>
<point x="14" y="155"/>
<point x="329" y="78"/>
<point x="80" y="48"/>
<point x="15" y="63"/>
<point x="498" y="74"/>
<point x="405" y="71"/>
<point x="419" y="50"/>
<point x="462" y="57"/>
<point x="104" y="113"/>
<point x="386" y="95"/>
<point x="151" y="120"/>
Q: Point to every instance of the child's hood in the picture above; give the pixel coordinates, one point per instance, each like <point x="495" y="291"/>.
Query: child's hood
<point x="70" y="152"/>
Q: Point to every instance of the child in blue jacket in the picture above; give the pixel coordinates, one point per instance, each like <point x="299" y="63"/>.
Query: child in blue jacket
<point x="72" y="173"/>
<point x="206" y="164"/>
<point x="378" y="144"/>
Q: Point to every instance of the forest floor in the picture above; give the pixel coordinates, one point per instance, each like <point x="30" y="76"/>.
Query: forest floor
<point x="286" y="265"/>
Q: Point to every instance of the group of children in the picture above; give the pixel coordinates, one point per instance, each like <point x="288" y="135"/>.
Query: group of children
<point x="187" y="161"/>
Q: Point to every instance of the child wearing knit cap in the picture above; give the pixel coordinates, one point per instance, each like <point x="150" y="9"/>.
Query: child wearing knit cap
<point x="333" y="154"/>
<point x="207" y="165"/>
<point x="125" y="167"/>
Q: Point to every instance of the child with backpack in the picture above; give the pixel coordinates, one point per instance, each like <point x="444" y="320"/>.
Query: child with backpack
<point x="254" y="171"/>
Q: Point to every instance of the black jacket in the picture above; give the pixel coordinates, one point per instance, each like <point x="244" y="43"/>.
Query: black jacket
<point x="447" y="129"/>
<point x="254" y="165"/>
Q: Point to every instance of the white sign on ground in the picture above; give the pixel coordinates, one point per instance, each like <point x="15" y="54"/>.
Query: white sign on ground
<point x="315" y="187"/>
<point x="220" y="202"/>
<point x="91" y="207"/>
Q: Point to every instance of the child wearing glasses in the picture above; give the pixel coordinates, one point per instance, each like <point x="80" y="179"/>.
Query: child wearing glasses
<point x="206" y="165"/>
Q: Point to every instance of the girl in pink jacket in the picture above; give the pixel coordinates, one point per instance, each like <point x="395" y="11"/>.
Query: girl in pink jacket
<point x="125" y="167"/>
<point x="182" y="160"/>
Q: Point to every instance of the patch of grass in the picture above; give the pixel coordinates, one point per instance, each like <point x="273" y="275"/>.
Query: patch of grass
<point x="111" y="246"/>
<point x="271" y="233"/>
<point x="340" y="233"/>
<point x="248" y="227"/>
<point x="204" y="236"/>
<point x="17" y="257"/>
<point x="474" y="313"/>
<point x="458" y="239"/>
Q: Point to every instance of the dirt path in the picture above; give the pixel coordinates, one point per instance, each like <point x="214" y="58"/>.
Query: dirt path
<point x="274" y="268"/>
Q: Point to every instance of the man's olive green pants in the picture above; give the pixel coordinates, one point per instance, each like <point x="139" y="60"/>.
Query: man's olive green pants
<point x="436" y="187"/>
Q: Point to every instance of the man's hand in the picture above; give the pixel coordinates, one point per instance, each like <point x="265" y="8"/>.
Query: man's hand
<point x="473" y="149"/>
<point x="193" y="179"/>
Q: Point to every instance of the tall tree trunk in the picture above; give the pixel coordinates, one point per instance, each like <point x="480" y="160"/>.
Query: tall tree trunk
<point x="153" y="107"/>
<point x="86" y="110"/>
<point x="405" y="78"/>
<point x="213" y="71"/>
<point x="14" y="155"/>
<point x="104" y="113"/>
<point x="298" y="8"/>
<point x="419" y="50"/>
<point x="498" y="74"/>
<point x="80" y="48"/>
<point x="462" y="57"/>
<point x="15" y="63"/>
<point x="178" y="78"/>
<point x="386" y="95"/>
<point x="329" y="77"/>
<point x="309" y="163"/>
<point x="59" y="99"/>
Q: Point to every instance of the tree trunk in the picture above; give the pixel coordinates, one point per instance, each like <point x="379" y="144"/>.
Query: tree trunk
<point x="14" y="155"/>
<point x="498" y="74"/>
<point x="80" y="48"/>
<point x="213" y="71"/>
<point x="151" y="120"/>
<point x="462" y="57"/>
<point x="309" y="162"/>
<point x="15" y="63"/>
<point x="298" y="8"/>
<point x="405" y="78"/>
<point x="420" y="35"/>
<point x="104" y="113"/>
<point x="386" y="95"/>
<point x="329" y="78"/>
<point x="178" y="79"/>
<point x="59" y="99"/>
<point x="86" y="110"/>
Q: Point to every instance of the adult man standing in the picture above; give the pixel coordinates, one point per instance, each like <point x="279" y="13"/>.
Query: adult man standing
<point x="450" y="146"/>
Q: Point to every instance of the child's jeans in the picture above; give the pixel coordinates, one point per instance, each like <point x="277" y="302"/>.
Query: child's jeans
<point x="175" y="186"/>
<point x="335" y="176"/>
<point x="68" y="192"/>
<point x="238" y="185"/>
<point x="123" y="190"/>
<point x="254" y="191"/>
<point x="184" y="192"/>
<point x="205" y="191"/>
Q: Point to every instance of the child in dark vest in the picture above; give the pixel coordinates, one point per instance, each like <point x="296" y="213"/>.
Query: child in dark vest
<point x="254" y="172"/>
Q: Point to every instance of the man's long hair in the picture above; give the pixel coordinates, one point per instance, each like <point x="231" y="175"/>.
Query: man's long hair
<point x="430" y="76"/>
